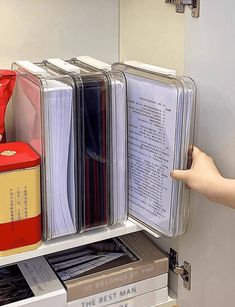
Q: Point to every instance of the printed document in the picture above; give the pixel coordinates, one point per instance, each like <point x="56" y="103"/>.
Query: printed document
<point x="151" y="137"/>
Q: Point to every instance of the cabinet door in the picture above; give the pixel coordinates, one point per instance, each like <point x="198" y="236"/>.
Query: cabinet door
<point x="208" y="245"/>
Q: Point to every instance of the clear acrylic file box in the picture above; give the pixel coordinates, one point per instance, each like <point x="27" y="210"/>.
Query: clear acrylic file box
<point x="94" y="122"/>
<point x="101" y="87"/>
<point x="118" y="208"/>
<point x="161" y="108"/>
<point x="44" y="117"/>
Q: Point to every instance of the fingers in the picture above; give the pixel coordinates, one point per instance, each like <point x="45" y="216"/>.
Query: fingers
<point x="195" y="151"/>
<point x="180" y="175"/>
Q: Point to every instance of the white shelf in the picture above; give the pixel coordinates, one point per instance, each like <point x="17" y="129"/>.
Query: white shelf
<point x="153" y="233"/>
<point x="71" y="241"/>
<point x="172" y="301"/>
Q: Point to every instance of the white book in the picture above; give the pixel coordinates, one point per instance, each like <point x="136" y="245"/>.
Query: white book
<point x="122" y="293"/>
<point x="149" y="299"/>
<point x="31" y="283"/>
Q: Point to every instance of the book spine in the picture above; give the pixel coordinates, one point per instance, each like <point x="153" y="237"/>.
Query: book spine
<point x="149" y="299"/>
<point x="40" y="277"/>
<point x="120" y="278"/>
<point x="122" y="293"/>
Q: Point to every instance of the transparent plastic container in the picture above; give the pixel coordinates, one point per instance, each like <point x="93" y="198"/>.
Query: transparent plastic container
<point x="118" y="209"/>
<point x="93" y="110"/>
<point x="43" y="116"/>
<point x="161" y="108"/>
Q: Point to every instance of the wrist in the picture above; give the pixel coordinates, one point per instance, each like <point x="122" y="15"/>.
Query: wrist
<point x="217" y="189"/>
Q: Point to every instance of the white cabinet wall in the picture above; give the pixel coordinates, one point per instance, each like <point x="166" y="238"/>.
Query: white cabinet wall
<point x="37" y="30"/>
<point x="209" y="243"/>
<point x="151" y="32"/>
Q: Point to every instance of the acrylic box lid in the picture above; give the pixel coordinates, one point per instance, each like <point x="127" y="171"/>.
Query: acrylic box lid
<point x="17" y="155"/>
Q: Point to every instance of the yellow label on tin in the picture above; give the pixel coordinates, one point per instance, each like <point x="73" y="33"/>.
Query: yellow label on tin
<point x="19" y="194"/>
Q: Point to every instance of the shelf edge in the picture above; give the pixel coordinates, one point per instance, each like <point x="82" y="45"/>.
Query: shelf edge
<point x="72" y="241"/>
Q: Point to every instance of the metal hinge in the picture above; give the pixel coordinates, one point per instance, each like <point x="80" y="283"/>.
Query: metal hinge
<point x="194" y="5"/>
<point x="184" y="270"/>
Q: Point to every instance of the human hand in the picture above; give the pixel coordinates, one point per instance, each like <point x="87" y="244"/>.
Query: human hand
<point x="203" y="176"/>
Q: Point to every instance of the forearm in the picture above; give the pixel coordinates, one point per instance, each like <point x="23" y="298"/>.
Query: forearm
<point x="203" y="177"/>
<point x="223" y="192"/>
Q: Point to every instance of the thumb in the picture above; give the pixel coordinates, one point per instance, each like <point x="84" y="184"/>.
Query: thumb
<point x="180" y="175"/>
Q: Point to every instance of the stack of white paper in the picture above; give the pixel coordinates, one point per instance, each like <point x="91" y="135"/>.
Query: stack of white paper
<point x="59" y="157"/>
<point x="119" y="151"/>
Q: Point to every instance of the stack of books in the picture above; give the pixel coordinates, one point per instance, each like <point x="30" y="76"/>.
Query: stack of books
<point x="116" y="272"/>
<point x="119" y="272"/>
<point x="31" y="283"/>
